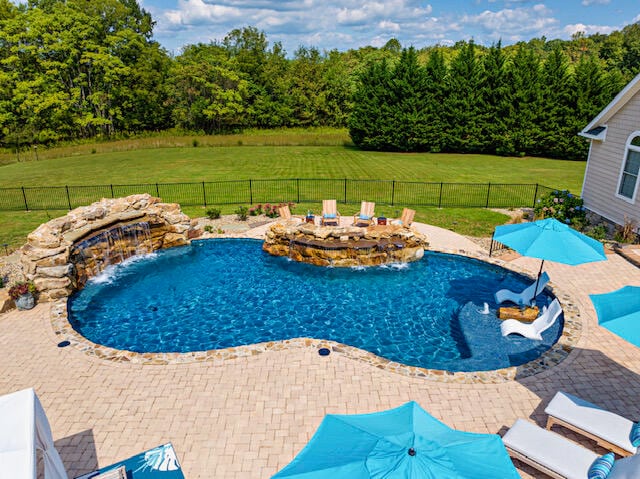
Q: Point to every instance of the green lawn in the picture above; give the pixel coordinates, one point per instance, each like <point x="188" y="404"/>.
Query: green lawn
<point x="221" y="163"/>
<point x="196" y="164"/>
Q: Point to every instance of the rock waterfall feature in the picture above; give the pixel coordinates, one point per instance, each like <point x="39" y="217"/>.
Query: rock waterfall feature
<point x="61" y="255"/>
<point x="345" y="246"/>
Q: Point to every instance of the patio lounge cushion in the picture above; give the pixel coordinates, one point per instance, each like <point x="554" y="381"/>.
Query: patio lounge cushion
<point x="364" y="217"/>
<point x="549" y="450"/>
<point x="592" y="419"/>
<point x="330" y="215"/>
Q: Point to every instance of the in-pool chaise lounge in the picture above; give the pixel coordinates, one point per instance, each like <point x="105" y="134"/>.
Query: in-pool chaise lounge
<point x="559" y="457"/>
<point x="526" y="296"/>
<point x="608" y="429"/>
<point x="535" y="329"/>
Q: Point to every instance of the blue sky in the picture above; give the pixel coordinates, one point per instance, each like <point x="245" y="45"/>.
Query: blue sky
<point x="344" y="24"/>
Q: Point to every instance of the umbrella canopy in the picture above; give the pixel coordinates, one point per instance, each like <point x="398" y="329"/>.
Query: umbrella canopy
<point x="550" y="240"/>
<point x="403" y="443"/>
<point x="619" y="312"/>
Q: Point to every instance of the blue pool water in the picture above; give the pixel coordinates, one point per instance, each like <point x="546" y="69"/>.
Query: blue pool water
<point x="221" y="293"/>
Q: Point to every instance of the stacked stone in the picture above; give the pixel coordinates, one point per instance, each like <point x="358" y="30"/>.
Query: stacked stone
<point x="345" y="246"/>
<point x="45" y="258"/>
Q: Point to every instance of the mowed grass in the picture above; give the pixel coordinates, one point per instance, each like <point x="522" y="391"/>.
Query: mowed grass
<point x="268" y="162"/>
<point x="202" y="163"/>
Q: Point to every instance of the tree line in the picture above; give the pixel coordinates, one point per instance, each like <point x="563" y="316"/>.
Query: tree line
<point x="72" y="69"/>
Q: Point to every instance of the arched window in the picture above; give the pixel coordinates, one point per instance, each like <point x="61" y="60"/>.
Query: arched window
<point x="629" y="175"/>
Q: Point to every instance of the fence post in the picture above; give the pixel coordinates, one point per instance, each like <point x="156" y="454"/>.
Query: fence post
<point x="486" y="205"/>
<point x="535" y="196"/>
<point x="250" y="193"/>
<point x="24" y="197"/>
<point x="157" y="191"/>
<point x="112" y="195"/>
<point x="345" y="191"/>
<point x="440" y="198"/>
<point x="204" y="194"/>
<point x="66" y="188"/>
<point x="298" y="189"/>
<point x="393" y="191"/>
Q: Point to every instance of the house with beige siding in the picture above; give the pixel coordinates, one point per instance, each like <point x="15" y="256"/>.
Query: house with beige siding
<point x="611" y="187"/>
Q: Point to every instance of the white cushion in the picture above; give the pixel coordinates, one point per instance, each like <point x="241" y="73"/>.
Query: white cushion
<point x="549" y="449"/>
<point x="593" y="419"/>
<point x="627" y="468"/>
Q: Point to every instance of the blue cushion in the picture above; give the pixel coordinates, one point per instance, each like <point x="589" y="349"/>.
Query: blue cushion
<point x="364" y="217"/>
<point x="601" y="467"/>
<point x="330" y="215"/>
<point x="634" y="437"/>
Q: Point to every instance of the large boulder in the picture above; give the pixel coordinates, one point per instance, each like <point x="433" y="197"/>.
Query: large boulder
<point x="55" y="257"/>
<point x="345" y="246"/>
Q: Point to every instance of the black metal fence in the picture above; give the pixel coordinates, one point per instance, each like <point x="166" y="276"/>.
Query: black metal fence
<point x="298" y="190"/>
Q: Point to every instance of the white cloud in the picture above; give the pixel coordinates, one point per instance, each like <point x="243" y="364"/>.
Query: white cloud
<point x="516" y="23"/>
<point x="343" y="24"/>
<point x="588" y="29"/>
<point x="588" y="3"/>
<point x="194" y="12"/>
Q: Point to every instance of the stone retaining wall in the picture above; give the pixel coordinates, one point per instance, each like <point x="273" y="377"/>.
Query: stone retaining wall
<point x="345" y="246"/>
<point x="46" y="259"/>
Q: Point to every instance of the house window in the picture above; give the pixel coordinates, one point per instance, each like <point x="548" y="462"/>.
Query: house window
<point x="629" y="176"/>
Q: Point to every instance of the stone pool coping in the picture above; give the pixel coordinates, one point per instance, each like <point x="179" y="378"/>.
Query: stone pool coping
<point x="555" y="355"/>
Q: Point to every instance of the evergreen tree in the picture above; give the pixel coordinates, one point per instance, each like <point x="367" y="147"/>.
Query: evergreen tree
<point x="463" y="104"/>
<point x="434" y="125"/>
<point x="368" y="122"/>
<point x="496" y="107"/>
<point x="524" y="79"/>
<point x="557" y="108"/>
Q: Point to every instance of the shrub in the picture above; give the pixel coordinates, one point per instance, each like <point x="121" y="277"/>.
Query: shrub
<point x="208" y="229"/>
<point x="242" y="213"/>
<point x="195" y="143"/>
<point x="598" y="232"/>
<point x="562" y="206"/>
<point x="271" y="210"/>
<point x="20" y="288"/>
<point x="213" y="213"/>
<point x="255" y="210"/>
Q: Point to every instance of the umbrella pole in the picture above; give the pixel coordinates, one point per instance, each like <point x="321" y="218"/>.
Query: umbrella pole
<point x="535" y="291"/>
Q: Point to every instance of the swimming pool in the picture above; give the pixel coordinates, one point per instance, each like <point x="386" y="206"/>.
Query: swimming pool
<point x="218" y="293"/>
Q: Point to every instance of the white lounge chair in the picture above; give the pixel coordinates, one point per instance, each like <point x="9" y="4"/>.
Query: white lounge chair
<point x="608" y="429"/>
<point x="547" y="451"/>
<point x="526" y="296"/>
<point x="557" y="456"/>
<point x="533" y="330"/>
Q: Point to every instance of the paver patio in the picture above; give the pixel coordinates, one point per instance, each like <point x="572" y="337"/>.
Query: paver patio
<point x="248" y="417"/>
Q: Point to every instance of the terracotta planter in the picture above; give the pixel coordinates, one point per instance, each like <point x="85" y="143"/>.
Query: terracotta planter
<point x="25" y="301"/>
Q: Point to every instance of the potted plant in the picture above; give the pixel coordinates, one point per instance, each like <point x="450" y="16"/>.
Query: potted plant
<point x="23" y="294"/>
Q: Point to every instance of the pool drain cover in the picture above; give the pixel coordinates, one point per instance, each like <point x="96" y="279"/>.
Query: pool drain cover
<point x="324" y="352"/>
<point x="63" y="344"/>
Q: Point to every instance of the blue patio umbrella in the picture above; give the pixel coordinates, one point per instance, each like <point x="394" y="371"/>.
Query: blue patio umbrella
<point x="401" y="443"/>
<point x="619" y="312"/>
<point x="551" y="240"/>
